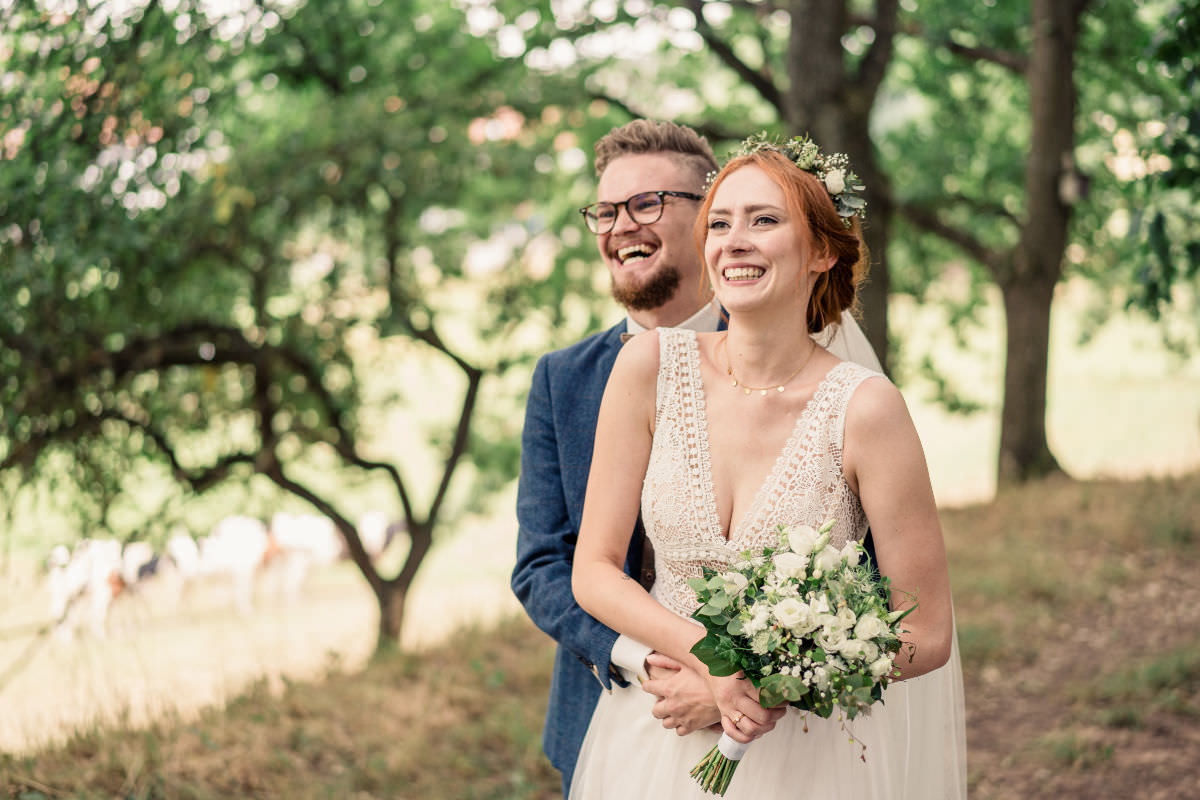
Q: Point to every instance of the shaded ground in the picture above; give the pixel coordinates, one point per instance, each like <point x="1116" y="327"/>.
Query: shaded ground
<point x="1082" y="670"/>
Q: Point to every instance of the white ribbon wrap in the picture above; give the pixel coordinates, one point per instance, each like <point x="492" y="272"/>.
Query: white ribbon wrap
<point x="733" y="750"/>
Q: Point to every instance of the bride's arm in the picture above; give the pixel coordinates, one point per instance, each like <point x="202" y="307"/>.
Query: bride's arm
<point x="624" y="431"/>
<point x="884" y="463"/>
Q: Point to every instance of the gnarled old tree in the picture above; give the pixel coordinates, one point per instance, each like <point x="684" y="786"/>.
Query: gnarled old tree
<point x="236" y="246"/>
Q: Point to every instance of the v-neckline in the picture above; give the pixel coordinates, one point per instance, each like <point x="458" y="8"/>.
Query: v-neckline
<point x="716" y="529"/>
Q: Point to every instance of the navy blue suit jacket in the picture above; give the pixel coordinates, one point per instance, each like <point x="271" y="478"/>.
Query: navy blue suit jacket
<point x="556" y="454"/>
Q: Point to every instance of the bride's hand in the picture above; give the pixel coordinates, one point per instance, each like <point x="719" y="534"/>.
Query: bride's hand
<point x="742" y="717"/>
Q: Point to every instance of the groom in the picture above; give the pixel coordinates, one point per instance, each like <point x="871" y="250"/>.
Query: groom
<point x="651" y="181"/>
<point x="652" y="177"/>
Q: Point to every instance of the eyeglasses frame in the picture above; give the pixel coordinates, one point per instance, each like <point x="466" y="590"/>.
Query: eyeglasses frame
<point x="662" y="193"/>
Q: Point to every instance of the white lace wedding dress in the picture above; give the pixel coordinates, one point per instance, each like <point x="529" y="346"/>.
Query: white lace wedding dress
<point x="915" y="742"/>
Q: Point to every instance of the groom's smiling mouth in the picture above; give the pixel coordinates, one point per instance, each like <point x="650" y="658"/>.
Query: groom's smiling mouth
<point x="632" y="254"/>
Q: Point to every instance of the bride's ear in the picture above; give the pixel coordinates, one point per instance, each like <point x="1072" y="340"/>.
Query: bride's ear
<point x="822" y="263"/>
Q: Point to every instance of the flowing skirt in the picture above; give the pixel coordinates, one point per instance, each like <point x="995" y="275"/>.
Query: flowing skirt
<point x="915" y="750"/>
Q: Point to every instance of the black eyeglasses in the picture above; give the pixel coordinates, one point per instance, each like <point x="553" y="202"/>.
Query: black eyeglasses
<point x="644" y="208"/>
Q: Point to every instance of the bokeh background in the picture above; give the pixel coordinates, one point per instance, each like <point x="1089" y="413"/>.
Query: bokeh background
<point x="267" y="256"/>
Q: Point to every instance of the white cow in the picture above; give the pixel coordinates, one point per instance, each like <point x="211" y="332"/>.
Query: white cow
<point x="83" y="583"/>
<point x="303" y="541"/>
<point x="233" y="551"/>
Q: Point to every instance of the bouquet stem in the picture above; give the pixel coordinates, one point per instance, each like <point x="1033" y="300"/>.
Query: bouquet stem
<point x="715" y="770"/>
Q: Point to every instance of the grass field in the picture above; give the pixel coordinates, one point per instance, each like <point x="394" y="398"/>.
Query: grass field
<point x="1078" y="616"/>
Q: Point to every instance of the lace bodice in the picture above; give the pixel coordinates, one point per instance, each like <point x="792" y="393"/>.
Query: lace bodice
<point x="679" y="507"/>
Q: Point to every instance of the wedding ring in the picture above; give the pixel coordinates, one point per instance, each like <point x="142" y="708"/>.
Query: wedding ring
<point x="738" y="718"/>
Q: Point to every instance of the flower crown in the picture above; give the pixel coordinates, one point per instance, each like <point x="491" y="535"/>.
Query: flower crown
<point x="833" y="170"/>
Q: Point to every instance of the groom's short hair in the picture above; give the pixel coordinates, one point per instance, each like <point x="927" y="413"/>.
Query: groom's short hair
<point x="646" y="136"/>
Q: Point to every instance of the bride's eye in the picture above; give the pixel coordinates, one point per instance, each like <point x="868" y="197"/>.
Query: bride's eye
<point x="765" y="220"/>
<point x="717" y="224"/>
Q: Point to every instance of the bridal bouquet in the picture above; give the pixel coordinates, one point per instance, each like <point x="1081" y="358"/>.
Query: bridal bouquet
<point x="807" y="623"/>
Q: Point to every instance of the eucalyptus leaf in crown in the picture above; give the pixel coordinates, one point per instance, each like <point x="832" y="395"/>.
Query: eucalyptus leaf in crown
<point x="833" y="169"/>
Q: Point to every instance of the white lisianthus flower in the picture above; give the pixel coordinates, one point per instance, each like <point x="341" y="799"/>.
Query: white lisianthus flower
<point x="846" y="618"/>
<point x="869" y="626"/>
<point x="850" y="552"/>
<point x="820" y="678"/>
<point x="880" y="666"/>
<point x="789" y="612"/>
<point x="791" y="565"/>
<point x="853" y="649"/>
<point x="870" y="652"/>
<point x="803" y="619"/>
<point x="802" y="539"/>
<point x="835" y="181"/>
<point x="735" y="582"/>
<point x="826" y="560"/>
<point x="830" y="638"/>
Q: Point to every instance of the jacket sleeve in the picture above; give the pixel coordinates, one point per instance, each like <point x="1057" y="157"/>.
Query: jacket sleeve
<point x="546" y="540"/>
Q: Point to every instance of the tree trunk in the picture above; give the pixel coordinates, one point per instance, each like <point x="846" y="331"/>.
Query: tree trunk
<point x="392" y="599"/>
<point x="393" y="594"/>
<point x="1024" y="450"/>
<point x="826" y="101"/>
<point x="1029" y="289"/>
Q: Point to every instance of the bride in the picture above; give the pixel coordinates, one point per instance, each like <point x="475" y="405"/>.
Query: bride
<point x="722" y="437"/>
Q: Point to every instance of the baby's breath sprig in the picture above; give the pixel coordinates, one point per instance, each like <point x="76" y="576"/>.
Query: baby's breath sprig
<point x="833" y="170"/>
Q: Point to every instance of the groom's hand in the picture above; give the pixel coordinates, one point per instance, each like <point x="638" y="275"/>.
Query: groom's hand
<point x="685" y="703"/>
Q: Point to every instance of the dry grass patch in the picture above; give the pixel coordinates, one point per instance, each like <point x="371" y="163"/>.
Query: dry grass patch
<point x="461" y="721"/>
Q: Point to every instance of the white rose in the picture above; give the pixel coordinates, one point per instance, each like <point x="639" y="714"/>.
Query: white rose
<point x="835" y="181"/>
<point x="881" y="666"/>
<point x="802" y="539"/>
<point x="827" y="560"/>
<point x="791" y="565"/>
<point x="869" y="626"/>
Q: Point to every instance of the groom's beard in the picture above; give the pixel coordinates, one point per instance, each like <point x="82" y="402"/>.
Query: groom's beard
<point x="655" y="292"/>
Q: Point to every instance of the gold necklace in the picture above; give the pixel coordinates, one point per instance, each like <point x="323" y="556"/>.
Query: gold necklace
<point x="762" y="390"/>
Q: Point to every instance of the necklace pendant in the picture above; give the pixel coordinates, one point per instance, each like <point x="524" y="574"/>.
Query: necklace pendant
<point x="779" y="388"/>
<point x="762" y="392"/>
<point x="747" y="390"/>
<point x="733" y="382"/>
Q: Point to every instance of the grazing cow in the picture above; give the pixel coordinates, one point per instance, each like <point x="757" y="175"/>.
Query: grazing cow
<point x="83" y="583"/>
<point x="232" y="552"/>
<point x="303" y="541"/>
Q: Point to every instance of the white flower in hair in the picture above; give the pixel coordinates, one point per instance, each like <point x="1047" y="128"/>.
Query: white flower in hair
<point x="835" y="181"/>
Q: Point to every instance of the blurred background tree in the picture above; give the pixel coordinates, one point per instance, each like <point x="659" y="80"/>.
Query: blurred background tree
<point x="312" y="248"/>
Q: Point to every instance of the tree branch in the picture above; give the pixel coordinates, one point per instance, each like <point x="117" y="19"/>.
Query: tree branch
<point x="1015" y="63"/>
<point x="704" y="128"/>
<point x="873" y="67"/>
<point x="928" y="221"/>
<point x="761" y="81"/>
